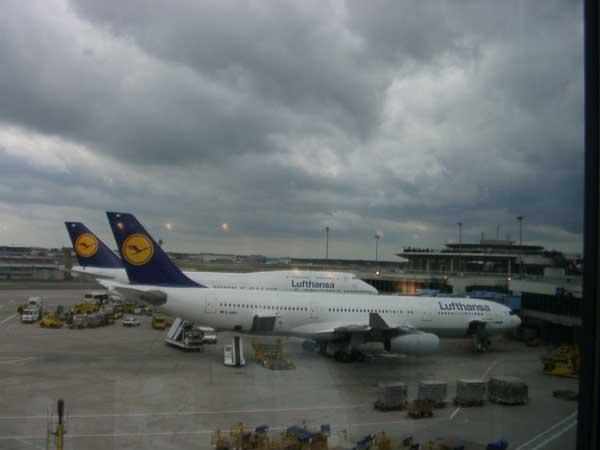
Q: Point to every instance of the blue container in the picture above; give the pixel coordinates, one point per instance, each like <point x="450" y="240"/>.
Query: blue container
<point x="262" y="429"/>
<point x="502" y="444"/>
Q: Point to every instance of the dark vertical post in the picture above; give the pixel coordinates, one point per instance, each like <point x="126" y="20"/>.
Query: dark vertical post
<point x="520" y="219"/>
<point x="589" y="381"/>
<point x="460" y="224"/>
<point x="327" y="244"/>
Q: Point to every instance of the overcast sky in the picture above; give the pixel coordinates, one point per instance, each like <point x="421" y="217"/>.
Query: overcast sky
<point x="281" y="118"/>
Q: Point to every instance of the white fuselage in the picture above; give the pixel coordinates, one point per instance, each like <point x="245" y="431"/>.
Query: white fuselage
<point x="317" y="316"/>
<point x="276" y="280"/>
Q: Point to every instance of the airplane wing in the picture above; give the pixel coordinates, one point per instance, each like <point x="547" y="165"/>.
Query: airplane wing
<point x="335" y="330"/>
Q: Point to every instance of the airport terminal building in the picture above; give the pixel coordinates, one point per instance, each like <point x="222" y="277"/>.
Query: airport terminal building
<point x="486" y="257"/>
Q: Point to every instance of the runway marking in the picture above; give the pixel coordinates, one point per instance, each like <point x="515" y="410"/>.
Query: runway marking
<point x="30" y="444"/>
<point x="549" y="430"/>
<point x="191" y="413"/>
<point x="485" y="374"/>
<point x="8" y="318"/>
<point x="17" y="360"/>
<point x="454" y="413"/>
<point x="554" y="436"/>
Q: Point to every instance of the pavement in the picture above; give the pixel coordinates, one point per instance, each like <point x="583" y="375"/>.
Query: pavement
<point x="125" y="389"/>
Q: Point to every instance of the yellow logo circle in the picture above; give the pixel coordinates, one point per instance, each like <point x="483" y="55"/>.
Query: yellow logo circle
<point x="86" y="245"/>
<point x="137" y="249"/>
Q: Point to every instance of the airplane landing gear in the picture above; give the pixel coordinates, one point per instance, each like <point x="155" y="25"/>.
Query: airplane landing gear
<point x="347" y="357"/>
<point x="387" y="345"/>
<point x="357" y="356"/>
<point x="481" y="342"/>
<point x="309" y="346"/>
<point x="323" y="348"/>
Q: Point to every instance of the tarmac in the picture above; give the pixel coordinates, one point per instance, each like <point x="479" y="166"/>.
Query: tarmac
<point x="125" y="389"/>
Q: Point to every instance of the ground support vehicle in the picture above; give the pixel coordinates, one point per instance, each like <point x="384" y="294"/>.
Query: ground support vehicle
<point x="51" y="321"/>
<point x="563" y="362"/>
<point x="131" y="322"/>
<point x="31" y="314"/>
<point x="233" y="354"/>
<point x="85" y="308"/>
<point x="160" y="322"/>
<point x="32" y="302"/>
<point x="183" y="335"/>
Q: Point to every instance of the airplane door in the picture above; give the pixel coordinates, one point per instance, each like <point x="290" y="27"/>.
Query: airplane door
<point x="211" y="303"/>
<point x="427" y="317"/>
<point x="314" y="310"/>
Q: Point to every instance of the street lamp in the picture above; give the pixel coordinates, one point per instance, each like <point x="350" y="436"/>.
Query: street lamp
<point x="460" y="224"/>
<point x="377" y="237"/>
<point x="520" y="219"/>
<point x="327" y="244"/>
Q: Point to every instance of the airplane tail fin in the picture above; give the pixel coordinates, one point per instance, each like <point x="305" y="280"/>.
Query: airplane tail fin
<point x="144" y="260"/>
<point x="90" y="250"/>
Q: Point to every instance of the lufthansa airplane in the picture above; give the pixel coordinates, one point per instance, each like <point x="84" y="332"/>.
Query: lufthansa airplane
<point x="339" y="325"/>
<point x="97" y="259"/>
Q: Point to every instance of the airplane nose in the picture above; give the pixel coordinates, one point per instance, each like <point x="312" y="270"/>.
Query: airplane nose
<point x="516" y="321"/>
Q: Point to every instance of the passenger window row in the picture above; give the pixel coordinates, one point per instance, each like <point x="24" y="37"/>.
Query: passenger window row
<point x="457" y="313"/>
<point x="384" y="311"/>
<point x="279" y="308"/>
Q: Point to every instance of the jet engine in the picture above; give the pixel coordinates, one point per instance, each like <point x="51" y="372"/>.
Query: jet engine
<point x="413" y="344"/>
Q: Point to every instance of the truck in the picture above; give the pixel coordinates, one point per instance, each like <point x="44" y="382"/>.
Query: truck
<point x="31" y="314"/>
<point x="183" y="335"/>
<point x="32" y="311"/>
<point x="209" y="335"/>
<point x="160" y="322"/>
<point x="98" y="297"/>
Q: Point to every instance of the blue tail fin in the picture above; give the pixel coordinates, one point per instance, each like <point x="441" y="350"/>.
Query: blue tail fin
<point x="91" y="251"/>
<point x="144" y="260"/>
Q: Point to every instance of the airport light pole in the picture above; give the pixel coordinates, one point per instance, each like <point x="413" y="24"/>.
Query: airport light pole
<point x="520" y="219"/>
<point x="327" y="244"/>
<point x="377" y="237"/>
<point x="460" y="224"/>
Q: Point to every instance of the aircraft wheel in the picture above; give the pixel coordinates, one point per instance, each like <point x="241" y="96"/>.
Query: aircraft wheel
<point x="355" y="355"/>
<point x="309" y="346"/>
<point x="341" y="356"/>
<point x="323" y="348"/>
<point x="387" y="345"/>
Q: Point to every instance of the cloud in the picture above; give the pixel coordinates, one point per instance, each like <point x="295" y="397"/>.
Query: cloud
<point x="281" y="118"/>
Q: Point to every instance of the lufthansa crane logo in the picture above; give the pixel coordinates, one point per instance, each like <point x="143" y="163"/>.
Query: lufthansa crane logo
<point x="138" y="249"/>
<point x="86" y="245"/>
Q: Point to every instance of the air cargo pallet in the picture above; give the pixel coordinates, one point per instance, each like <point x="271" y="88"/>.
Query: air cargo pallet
<point x="385" y="407"/>
<point x="505" y="402"/>
<point x="469" y="404"/>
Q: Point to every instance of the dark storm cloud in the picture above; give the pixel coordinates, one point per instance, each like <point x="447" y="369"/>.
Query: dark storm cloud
<point x="282" y="118"/>
<point x="295" y="58"/>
